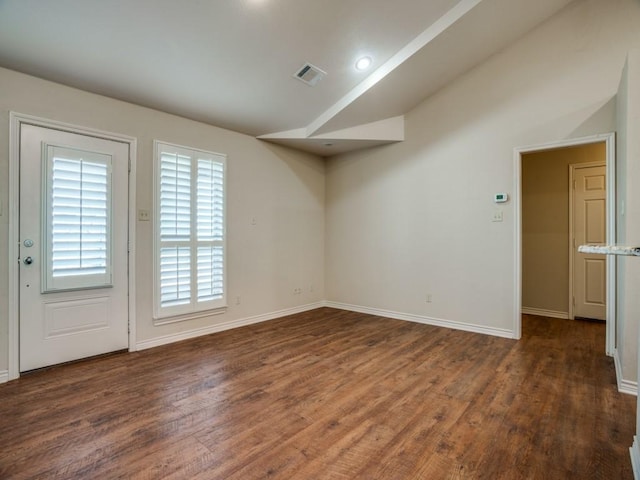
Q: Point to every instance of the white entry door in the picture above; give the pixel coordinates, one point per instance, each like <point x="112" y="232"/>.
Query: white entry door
<point x="73" y="246"/>
<point x="590" y="271"/>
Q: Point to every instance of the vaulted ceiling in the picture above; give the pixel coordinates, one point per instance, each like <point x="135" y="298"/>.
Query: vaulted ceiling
<point x="231" y="63"/>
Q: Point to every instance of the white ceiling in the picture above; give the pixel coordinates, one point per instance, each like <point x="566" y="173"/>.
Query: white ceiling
<point x="230" y="63"/>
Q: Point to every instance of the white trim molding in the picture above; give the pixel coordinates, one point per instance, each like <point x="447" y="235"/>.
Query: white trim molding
<point x="436" y="322"/>
<point x="541" y="312"/>
<point x="635" y="458"/>
<point x="219" y="327"/>
<point x="624" y="386"/>
<point x="4" y="376"/>
<point x="16" y="120"/>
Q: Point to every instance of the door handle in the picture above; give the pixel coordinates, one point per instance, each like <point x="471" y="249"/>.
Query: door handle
<point x="28" y="261"/>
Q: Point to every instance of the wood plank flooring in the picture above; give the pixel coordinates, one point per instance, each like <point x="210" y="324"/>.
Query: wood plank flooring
<point x="329" y="394"/>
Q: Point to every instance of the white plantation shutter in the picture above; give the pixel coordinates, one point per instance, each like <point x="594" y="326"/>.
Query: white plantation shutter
<point x="210" y="273"/>
<point x="175" y="276"/>
<point x="175" y="229"/>
<point x="175" y="197"/>
<point x="210" y="229"/>
<point x="77" y="219"/>
<point x="190" y="231"/>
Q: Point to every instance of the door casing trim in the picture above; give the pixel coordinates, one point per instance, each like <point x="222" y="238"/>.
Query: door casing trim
<point x="16" y="120"/>
<point x="610" y="146"/>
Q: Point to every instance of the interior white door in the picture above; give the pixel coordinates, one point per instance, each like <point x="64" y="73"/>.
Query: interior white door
<point x="73" y="246"/>
<point x="589" y="203"/>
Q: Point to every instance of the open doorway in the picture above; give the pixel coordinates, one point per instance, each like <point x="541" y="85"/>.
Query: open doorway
<point x="565" y="197"/>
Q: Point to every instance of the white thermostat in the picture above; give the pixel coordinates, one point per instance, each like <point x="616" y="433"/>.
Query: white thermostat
<point x="500" y="197"/>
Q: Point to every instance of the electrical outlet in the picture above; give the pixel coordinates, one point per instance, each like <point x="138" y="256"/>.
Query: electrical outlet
<point x="497" y="216"/>
<point x="237" y="300"/>
<point x="429" y="298"/>
<point x="144" y="215"/>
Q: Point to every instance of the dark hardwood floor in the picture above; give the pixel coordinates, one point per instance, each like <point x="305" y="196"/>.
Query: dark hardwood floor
<point x="329" y="395"/>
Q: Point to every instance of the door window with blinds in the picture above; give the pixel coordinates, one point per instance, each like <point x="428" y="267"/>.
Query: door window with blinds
<point x="189" y="231"/>
<point x="77" y="219"/>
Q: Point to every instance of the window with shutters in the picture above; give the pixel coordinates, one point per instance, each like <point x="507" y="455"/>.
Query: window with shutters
<point x="77" y="219"/>
<point x="190" y="231"/>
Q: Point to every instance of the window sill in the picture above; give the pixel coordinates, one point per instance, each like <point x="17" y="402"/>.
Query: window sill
<point x="188" y="316"/>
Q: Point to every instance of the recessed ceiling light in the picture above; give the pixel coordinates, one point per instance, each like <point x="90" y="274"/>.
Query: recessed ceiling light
<point x="363" y="63"/>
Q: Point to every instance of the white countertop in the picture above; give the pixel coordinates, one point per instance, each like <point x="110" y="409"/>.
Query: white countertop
<point x="610" y="250"/>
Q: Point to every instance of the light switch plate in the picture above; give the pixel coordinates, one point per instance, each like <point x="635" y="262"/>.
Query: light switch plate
<point x="497" y="216"/>
<point x="144" y="215"/>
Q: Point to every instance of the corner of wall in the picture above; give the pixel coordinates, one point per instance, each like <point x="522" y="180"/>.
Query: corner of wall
<point x="624" y="386"/>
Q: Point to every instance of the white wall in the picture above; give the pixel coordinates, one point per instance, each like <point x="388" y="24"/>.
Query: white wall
<point x="415" y="218"/>
<point x="628" y="214"/>
<point x="631" y="281"/>
<point x="622" y="100"/>
<point x="282" y="189"/>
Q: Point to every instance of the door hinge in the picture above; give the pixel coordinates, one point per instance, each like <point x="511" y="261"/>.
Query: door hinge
<point x="574" y="184"/>
<point x="574" y="301"/>
<point x="129" y="164"/>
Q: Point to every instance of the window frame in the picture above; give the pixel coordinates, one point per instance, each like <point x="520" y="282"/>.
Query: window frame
<point x="193" y="309"/>
<point x="51" y="283"/>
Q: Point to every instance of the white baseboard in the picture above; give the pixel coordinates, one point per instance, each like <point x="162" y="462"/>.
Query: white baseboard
<point x="635" y="458"/>
<point x="544" y="313"/>
<point x="4" y="376"/>
<point x="219" y="327"/>
<point x="438" y="322"/>
<point x="624" y="386"/>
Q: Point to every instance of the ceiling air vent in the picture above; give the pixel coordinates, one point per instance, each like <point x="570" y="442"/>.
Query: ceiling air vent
<point x="309" y="74"/>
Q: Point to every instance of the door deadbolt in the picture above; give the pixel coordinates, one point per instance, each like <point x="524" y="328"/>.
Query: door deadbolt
<point x="28" y="243"/>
